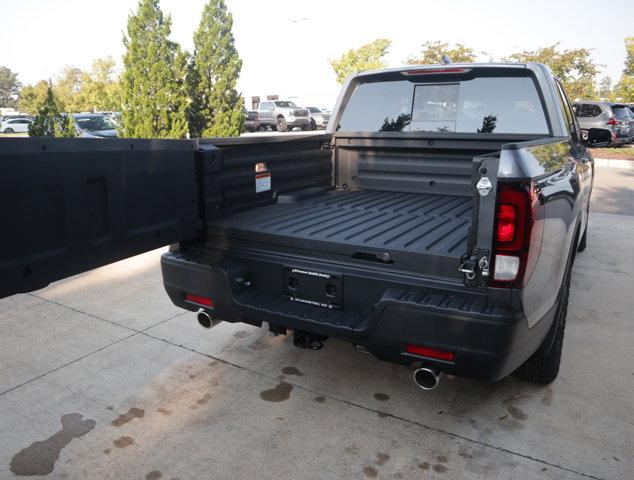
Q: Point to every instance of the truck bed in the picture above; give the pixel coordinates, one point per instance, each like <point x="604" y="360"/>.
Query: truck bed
<point x="415" y="232"/>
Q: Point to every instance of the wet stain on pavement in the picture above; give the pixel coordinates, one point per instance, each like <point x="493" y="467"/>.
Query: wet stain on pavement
<point x="442" y="459"/>
<point x="106" y="451"/>
<point x="39" y="458"/>
<point x="439" y="468"/>
<point x="123" y="442"/>
<point x="370" y="472"/>
<point x="516" y="413"/>
<point x="281" y="392"/>
<point x="320" y="399"/>
<point x="204" y="400"/>
<point x="424" y="466"/>
<point x="241" y="334"/>
<point x="213" y="364"/>
<point x="128" y="417"/>
<point x="292" y="371"/>
<point x="381" y="458"/>
<point x="547" y="398"/>
<point x="164" y="411"/>
<point x="154" y="475"/>
<point x="381" y="397"/>
<point x="110" y="408"/>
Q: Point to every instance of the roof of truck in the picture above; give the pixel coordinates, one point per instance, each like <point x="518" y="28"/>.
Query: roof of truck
<point x="444" y="66"/>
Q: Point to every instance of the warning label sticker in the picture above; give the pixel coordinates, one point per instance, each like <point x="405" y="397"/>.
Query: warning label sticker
<point x="262" y="182"/>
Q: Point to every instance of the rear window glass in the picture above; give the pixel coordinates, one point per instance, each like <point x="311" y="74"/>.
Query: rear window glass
<point x="584" y="110"/>
<point x="621" y="113"/>
<point x="480" y="105"/>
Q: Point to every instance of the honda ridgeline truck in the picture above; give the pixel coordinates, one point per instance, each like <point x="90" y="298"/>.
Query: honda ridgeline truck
<point x="434" y="224"/>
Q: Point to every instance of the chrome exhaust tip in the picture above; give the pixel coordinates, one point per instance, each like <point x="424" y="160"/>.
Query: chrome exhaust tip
<point x="428" y="378"/>
<point x="206" y="320"/>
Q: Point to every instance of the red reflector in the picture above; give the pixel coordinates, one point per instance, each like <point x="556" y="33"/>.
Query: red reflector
<point x="422" y="71"/>
<point x="506" y="223"/>
<point x="429" y="352"/>
<point x="611" y="121"/>
<point x="208" y="302"/>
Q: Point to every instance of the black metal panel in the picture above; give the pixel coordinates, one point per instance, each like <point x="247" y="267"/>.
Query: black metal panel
<point x="69" y="205"/>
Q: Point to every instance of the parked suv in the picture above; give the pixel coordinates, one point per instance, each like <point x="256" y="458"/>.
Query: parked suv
<point x="625" y="117"/>
<point x="600" y="117"/>
<point x="251" y="120"/>
<point x="318" y="118"/>
<point x="282" y="115"/>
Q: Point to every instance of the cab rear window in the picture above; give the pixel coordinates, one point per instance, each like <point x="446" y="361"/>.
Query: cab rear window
<point x="479" y="105"/>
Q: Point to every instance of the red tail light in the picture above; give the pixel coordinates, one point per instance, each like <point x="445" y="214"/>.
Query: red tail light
<point x="207" y="302"/>
<point x="611" y="121"/>
<point x="514" y="221"/>
<point x="430" y="352"/>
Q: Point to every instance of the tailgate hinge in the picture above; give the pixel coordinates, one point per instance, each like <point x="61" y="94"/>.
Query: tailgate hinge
<point x="476" y="267"/>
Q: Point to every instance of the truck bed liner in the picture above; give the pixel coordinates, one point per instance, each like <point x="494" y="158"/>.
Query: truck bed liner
<point x="416" y="231"/>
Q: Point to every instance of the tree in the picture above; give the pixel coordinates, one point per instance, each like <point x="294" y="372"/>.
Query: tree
<point x="605" y="87"/>
<point x="629" y="59"/>
<point x="9" y="88"/>
<point x="153" y="90"/>
<point x="216" y="110"/>
<point x="574" y="68"/>
<point x="49" y="122"/>
<point x="100" y="89"/>
<point x="367" y="57"/>
<point x="67" y="88"/>
<point x="33" y="96"/>
<point x="624" y="90"/>
<point x="432" y="53"/>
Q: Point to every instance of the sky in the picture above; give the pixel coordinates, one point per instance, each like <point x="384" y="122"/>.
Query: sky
<point x="285" y="45"/>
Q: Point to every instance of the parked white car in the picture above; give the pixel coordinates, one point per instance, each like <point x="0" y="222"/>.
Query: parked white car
<point x="15" y="125"/>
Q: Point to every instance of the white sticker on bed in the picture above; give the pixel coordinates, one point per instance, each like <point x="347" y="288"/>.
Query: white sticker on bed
<point x="262" y="182"/>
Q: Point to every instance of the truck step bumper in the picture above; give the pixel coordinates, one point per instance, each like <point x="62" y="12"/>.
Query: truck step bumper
<point x="486" y="342"/>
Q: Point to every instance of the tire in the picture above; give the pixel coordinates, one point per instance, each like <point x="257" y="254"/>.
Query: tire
<point x="313" y="124"/>
<point x="543" y="366"/>
<point x="273" y="128"/>
<point x="281" y="124"/>
<point x="8" y="130"/>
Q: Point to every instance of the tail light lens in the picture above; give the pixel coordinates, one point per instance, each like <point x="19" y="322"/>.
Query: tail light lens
<point x="514" y="221"/>
<point x="611" y="121"/>
<point x="207" y="302"/>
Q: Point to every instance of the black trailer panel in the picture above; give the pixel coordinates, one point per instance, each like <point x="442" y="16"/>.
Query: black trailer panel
<point x="69" y="205"/>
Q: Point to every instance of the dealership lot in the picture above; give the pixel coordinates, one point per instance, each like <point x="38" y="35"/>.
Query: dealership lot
<point x="102" y="377"/>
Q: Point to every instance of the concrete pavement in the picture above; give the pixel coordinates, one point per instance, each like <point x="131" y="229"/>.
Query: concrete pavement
<point x="102" y="377"/>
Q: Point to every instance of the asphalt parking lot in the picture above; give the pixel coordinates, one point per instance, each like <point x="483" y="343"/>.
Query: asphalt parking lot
<point x="103" y="378"/>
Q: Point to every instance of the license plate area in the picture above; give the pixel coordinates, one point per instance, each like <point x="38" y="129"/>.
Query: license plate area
<point x="314" y="288"/>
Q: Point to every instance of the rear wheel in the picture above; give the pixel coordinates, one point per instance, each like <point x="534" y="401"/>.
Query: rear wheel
<point x="281" y="124"/>
<point x="273" y="127"/>
<point x="543" y="366"/>
<point x="8" y="130"/>
<point x="313" y="124"/>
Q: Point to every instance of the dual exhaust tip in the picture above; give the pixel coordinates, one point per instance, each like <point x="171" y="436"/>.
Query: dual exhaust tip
<point x="428" y="377"/>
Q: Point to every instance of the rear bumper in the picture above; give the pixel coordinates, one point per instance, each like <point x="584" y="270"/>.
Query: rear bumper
<point x="488" y="342"/>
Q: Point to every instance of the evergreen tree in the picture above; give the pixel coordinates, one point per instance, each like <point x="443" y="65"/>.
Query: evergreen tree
<point x="49" y="122"/>
<point x="216" y="108"/>
<point x="154" y="96"/>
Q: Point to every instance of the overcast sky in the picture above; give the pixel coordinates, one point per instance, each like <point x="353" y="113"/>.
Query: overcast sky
<point x="286" y="44"/>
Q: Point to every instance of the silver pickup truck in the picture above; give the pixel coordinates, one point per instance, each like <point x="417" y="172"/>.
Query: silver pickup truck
<point x="282" y="115"/>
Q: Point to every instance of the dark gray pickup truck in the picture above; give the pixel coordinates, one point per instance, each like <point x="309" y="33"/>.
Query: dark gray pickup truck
<point x="434" y="225"/>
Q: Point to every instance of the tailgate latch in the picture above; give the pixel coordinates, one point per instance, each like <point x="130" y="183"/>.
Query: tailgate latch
<point x="476" y="267"/>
